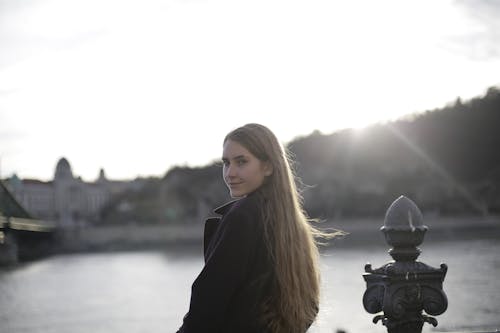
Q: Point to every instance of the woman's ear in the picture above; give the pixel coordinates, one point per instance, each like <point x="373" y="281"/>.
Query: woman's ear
<point x="268" y="169"/>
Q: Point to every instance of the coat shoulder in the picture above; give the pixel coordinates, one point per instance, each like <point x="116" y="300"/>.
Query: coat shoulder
<point x="249" y="207"/>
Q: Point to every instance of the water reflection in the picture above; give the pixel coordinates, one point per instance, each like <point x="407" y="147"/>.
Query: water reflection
<point x="149" y="291"/>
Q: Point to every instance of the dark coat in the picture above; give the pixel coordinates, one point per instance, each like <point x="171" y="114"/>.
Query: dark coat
<point x="228" y="294"/>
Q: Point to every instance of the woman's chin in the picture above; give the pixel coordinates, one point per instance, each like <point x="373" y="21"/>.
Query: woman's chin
<point x="236" y="194"/>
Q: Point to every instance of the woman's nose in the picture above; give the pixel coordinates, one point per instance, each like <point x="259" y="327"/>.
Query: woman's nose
<point x="230" y="171"/>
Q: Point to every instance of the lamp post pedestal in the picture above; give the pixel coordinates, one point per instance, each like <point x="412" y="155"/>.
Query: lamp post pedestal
<point x="405" y="287"/>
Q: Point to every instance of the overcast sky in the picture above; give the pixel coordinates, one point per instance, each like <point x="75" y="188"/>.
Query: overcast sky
<point x="135" y="87"/>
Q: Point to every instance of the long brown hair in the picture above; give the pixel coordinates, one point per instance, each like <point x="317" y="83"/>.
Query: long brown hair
<point x="294" y="304"/>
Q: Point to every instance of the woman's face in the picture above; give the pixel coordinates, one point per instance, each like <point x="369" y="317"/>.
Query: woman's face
<point x="243" y="172"/>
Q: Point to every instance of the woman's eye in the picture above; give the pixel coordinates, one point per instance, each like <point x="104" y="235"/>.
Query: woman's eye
<point x="241" y="162"/>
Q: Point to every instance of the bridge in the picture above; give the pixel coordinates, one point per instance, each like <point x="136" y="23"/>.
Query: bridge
<point x="22" y="237"/>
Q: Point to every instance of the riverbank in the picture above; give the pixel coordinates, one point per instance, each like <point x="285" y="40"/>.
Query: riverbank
<point x="127" y="237"/>
<point x="360" y="233"/>
<point x="363" y="231"/>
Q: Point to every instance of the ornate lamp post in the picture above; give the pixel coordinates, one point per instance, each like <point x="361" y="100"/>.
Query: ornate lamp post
<point x="404" y="287"/>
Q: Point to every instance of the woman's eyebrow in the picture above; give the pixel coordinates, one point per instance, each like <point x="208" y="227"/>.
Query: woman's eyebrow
<point x="239" y="157"/>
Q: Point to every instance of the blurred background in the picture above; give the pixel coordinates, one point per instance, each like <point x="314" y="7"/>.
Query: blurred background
<point x="112" y="116"/>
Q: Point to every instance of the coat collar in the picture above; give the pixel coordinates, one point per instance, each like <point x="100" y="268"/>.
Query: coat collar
<point x="221" y="210"/>
<point x="227" y="206"/>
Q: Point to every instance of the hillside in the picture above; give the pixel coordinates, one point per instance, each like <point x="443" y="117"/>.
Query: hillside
<point x="446" y="160"/>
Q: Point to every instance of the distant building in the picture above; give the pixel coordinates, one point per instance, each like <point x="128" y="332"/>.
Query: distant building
<point x="67" y="199"/>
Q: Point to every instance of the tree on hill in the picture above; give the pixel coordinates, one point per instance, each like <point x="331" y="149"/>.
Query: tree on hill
<point x="445" y="159"/>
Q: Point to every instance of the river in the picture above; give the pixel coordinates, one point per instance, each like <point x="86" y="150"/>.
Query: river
<point x="148" y="291"/>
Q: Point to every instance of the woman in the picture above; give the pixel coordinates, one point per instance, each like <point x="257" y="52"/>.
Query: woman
<point x="261" y="271"/>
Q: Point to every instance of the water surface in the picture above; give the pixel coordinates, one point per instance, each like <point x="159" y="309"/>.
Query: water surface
<point x="132" y="292"/>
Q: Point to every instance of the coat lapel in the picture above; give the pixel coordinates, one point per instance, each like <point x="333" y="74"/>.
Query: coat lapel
<point x="211" y="225"/>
